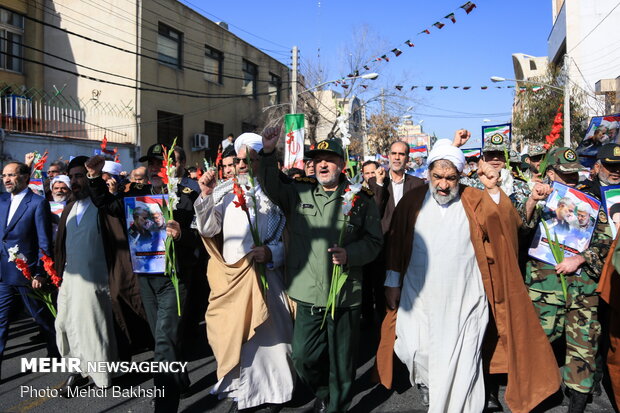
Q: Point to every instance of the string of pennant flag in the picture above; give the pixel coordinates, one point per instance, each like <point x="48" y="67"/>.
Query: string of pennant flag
<point x="397" y="51"/>
<point x="429" y="88"/>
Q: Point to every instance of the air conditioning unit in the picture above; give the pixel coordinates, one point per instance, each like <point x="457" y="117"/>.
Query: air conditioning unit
<point x="201" y="142"/>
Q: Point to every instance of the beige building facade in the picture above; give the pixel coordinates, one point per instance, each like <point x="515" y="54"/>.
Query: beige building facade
<point x="142" y="72"/>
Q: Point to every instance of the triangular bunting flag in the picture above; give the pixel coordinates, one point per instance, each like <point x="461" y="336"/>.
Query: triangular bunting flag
<point x="397" y="52"/>
<point x="438" y="25"/>
<point x="429" y="87"/>
<point x="451" y="17"/>
<point x="364" y="86"/>
<point x="484" y="87"/>
<point x="509" y="87"/>
<point x="408" y="43"/>
<point x="455" y="87"/>
<point x="443" y="87"/>
<point x="399" y="87"/>
<point x="387" y="59"/>
<point x="345" y="86"/>
<point x="413" y="87"/>
<point x="466" y="87"/>
<point x="425" y="31"/>
<point x="366" y="67"/>
<point x="468" y="7"/>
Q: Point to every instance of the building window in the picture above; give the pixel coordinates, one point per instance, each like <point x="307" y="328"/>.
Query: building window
<point x="169" y="45"/>
<point x="215" y="131"/>
<point x="275" y="85"/>
<point x="532" y="65"/>
<point x="11" y="36"/>
<point x="169" y="126"/>
<point x="213" y="65"/>
<point x="247" y="127"/>
<point x="250" y="75"/>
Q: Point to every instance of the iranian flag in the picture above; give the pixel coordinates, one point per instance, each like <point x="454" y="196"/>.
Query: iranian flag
<point x="294" y="143"/>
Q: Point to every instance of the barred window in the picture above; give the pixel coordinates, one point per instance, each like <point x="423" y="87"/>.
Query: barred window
<point x="169" y="46"/>
<point x="11" y="37"/>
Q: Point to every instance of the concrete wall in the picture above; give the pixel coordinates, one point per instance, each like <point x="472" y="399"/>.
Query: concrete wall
<point x="198" y="31"/>
<point x="112" y="22"/>
<point x="597" y="56"/>
<point x="15" y="146"/>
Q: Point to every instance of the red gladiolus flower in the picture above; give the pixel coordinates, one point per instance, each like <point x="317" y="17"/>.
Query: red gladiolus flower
<point x="238" y="191"/>
<point x="163" y="174"/>
<point x="23" y="267"/>
<point x="48" y="265"/>
<point x="39" y="165"/>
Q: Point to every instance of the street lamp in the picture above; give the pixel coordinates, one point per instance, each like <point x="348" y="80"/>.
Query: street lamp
<point x="565" y="90"/>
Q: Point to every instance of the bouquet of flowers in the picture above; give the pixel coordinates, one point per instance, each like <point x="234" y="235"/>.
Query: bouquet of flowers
<point x="553" y="136"/>
<point x="339" y="276"/>
<point x="246" y="200"/>
<point x="168" y="176"/>
<point x="21" y="263"/>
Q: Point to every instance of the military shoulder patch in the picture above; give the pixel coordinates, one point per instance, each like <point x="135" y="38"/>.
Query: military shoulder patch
<point x="368" y="191"/>
<point x="187" y="190"/>
<point x="602" y="217"/>
<point x="306" y="180"/>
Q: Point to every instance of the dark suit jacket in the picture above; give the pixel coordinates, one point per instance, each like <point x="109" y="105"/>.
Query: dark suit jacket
<point x="30" y="229"/>
<point x="384" y="196"/>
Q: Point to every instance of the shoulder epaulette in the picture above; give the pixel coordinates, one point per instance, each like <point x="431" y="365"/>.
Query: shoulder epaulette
<point x="518" y="177"/>
<point x="305" y="179"/>
<point x="581" y="186"/>
<point x="472" y="174"/>
<point x="187" y="190"/>
<point x="368" y="191"/>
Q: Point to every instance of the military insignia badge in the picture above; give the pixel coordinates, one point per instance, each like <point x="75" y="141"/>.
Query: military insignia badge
<point x="497" y="139"/>
<point x="157" y="149"/>
<point x="323" y="145"/>
<point x="617" y="151"/>
<point x="187" y="190"/>
<point x="570" y="155"/>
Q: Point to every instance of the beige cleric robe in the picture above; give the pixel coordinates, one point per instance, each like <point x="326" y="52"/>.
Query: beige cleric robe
<point x="85" y="325"/>
<point x="515" y="343"/>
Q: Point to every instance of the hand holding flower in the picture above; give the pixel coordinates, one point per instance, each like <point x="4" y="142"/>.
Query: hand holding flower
<point x="262" y="254"/>
<point x="339" y="255"/>
<point x="173" y="229"/>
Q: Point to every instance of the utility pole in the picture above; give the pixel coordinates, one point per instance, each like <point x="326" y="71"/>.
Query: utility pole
<point x="294" y="80"/>
<point x="566" y="102"/>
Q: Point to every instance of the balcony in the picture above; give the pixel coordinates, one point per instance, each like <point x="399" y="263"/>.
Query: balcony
<point x="36" y="112"/>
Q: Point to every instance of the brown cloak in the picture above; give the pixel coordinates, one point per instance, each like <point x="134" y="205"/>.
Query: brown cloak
<point x="515" y="343"/>
<point x="129" y="315"/>
<point x="609" y="288"/>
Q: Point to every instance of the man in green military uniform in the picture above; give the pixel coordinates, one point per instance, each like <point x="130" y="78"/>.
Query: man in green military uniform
<point x="536" y="154"/>
<point x="494" y="153"/>
<point x="573" y="317"/>
<point x="324" y="356"/>
<point x="156" y="289"/>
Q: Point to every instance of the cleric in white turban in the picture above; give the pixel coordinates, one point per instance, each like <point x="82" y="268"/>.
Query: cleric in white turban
<point x="442" y="288"/>
<point x="251" y="140"/>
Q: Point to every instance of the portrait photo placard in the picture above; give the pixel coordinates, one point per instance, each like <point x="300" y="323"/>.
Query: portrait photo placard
<point x="570" y="216"/>
<point x="146" y="233"/>
<point x="611" y="200"/>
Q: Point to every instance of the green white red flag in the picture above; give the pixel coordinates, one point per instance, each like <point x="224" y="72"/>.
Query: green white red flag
<point x="294" y="143"/>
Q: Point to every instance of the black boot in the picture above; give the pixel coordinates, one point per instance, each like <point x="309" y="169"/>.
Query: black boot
<point x="72" y="383"/>
<point x="320" y="405"/>
<point x="578" y="402"/>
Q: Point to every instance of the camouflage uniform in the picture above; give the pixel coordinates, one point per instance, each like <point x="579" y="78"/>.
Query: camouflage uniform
<point x="575" y="316"/>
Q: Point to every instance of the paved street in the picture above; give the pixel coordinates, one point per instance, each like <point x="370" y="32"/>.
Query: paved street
<point x="369" y="398"/>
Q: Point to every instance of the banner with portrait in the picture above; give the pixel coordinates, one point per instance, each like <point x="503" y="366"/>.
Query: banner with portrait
<point x="146" y="233"/>
<point x="611" y="200"/>
<point x="570" y="216"/>
<point x="602" y="130"/>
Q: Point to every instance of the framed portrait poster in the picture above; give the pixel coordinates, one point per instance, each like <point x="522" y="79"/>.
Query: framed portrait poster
<point x="146" y="233"/>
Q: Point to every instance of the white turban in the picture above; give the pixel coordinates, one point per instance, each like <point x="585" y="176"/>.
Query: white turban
<point x="443" y="149"/>
<point x="61" y="178"/>
<point x="252" y="140"/>
<point x="113" y="168"/>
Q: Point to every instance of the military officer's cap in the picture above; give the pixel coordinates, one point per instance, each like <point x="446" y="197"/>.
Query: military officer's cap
<point x="514" y="157"/>
<point x="328" y="145"/>
<point x="156" y="151"/>
<point x="565" y="160"/>
<point x="609" y="153"/>
<point x="537" y="150"/>
<point x="495" y="143"/>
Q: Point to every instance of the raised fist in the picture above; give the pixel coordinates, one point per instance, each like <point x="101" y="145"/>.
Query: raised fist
<point x="94" y="165"/>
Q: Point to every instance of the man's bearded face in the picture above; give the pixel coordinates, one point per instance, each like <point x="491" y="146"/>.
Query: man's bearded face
<point x="79" y="182"/>
<point x="584" y="218"/>
<point x="327" y="167"/>
<point x="565" y="212"/>
<point x="398" y="156"/>
<point x="60" y="192"/>
<point x="369" y="171"/>
<point x="444" y="182"/>
<point x="609" y="173"/>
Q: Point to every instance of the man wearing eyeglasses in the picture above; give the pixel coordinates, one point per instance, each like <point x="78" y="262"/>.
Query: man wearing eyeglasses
<point x="25" y="221"/>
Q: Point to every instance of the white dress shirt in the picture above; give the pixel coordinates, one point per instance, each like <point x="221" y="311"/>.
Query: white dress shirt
<point x="81" y="207"/>
<point x="16" y="199"/>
